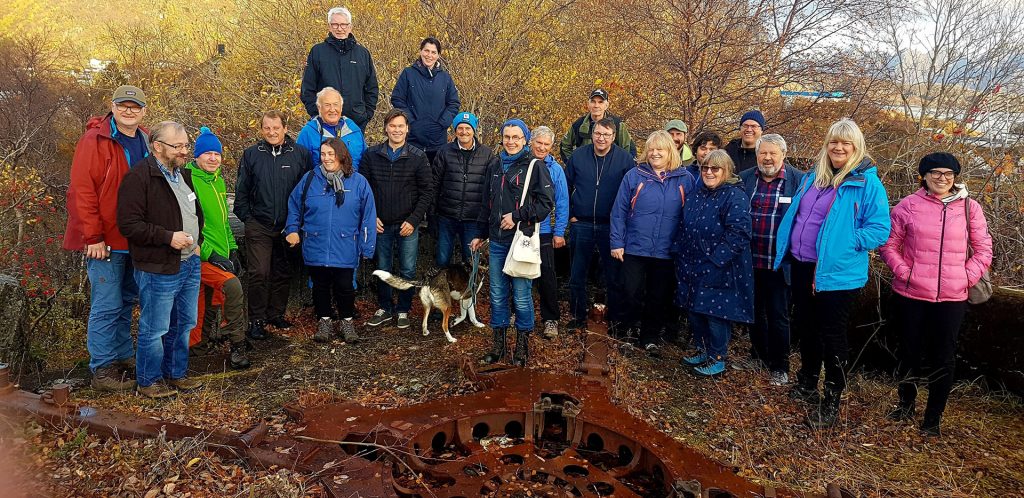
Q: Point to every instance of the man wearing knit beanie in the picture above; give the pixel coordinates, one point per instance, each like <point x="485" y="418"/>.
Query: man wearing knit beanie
<point x="741" y="150"/>
<point x="219" y="254"/>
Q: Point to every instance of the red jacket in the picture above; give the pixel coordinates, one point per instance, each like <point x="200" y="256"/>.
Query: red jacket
<point x="97" y="169"/>
<point x="927" y="248"/>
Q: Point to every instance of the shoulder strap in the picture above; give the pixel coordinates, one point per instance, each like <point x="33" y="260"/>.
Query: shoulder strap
<point x="302" y="204"/>
<point x="526" y="184"/>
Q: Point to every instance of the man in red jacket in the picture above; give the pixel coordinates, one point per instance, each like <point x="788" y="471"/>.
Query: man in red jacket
<point x="109" y="147"/>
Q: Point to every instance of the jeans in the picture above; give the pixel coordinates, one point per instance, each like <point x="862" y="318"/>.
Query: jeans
<point x="267" y="262"/>
<point x="407" y="248"/>
<point x="769" y="335"/>
<point x="821" y="319"/>
<point x="711" y="335"/>
<point x="649" y="283"/>
<point x="168" y="307"/>
<point x="547" y="284"/>
<point x="332" y="284"/>
<point x="522" y="294"/>
<point x="448" y="231"/>
<point x="113" y="295"/>
<point x="583" y="238"/>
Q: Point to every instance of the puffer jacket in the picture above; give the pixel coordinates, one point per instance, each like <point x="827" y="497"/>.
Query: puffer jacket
<point x="403" y="188"/>
<point x="713" y="256"/>
<point x="460" y="178"/>
<point x="430" y="98"/>
<point x="927" y="248"/>
<point x="332" y="235"/>
<point x="645" y="215"/>
<point x="504" y="191"/>
<point x="856" y="223"/>
<point x="313" y="135"/>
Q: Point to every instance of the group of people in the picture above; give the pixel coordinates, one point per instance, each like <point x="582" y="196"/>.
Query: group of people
<point x="749" y="238"/>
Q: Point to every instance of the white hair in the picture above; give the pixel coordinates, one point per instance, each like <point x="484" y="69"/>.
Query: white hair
<point x="543" y="131"/>
<point x="339" y="10"/>
<point x="771" y="138"/>
<point x="326" y="91"/>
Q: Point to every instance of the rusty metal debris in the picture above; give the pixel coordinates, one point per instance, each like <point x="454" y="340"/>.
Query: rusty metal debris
<point x="523" y="433"/>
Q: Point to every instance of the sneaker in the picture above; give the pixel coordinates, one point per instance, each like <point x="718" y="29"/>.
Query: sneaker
<point x="111" y="378"/>
<point x="348" y="331"/>
<point x="695" y="359"/>
<point x="653" y="350"/>
<point x="403" y="321"/>
<point x="323" y="330"/>
<point x="711" y="368"/>
<point x="157" y="390"/>
<point x="279" y="322"/>
<point x="239" y="359"/>
<point x="779" y="379"/>
<point x="257" y="330"/>
<point x="378" y="318"/>
<point x="186" y="384"/>
<point x="550" y="329"/>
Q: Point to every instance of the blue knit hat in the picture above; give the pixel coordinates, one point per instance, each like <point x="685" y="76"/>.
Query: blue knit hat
<point x="466" y="117"/>
<point x="207" y="142"/>
<point x="520" y="124"/>
<point x="754" y="115"/>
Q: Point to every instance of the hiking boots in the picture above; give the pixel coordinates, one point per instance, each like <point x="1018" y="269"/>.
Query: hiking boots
<point x="522" y="354"/>
<point x="807" y="394"/>
<point x="324" y="328"/>
<point x="779" y="378"/>
<point x="279" y="322"/>
<point x="379" y="318"/>
<point x="239" y="358"/>
<point x="185" y="384"/>
<point x="403" y="321"/>
<point x="497" y="348"/>
<point x="348" y="331"/>
<point x="930" y="428"/>
<point x="550" y="329"/>
<point x="827" y="413"/>
<point x="111" y="378"/>
<point x="257" y="330"/>
<point x="157" y="390"/>
<point x="902" y="413"/>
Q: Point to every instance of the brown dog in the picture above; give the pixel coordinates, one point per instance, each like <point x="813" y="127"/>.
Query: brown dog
<point x="439" y="291"/>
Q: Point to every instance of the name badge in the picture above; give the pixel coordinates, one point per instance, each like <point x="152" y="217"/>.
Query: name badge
<point x="785" y="200"/>
<point x="192" y="197"/>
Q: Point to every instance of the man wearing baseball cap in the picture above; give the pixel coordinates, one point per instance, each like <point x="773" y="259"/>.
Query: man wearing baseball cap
<point x="580" y="131"/>
<point x="460" y="181"/>
<point x="110" y="146"/>
<point x="678" y="129"/>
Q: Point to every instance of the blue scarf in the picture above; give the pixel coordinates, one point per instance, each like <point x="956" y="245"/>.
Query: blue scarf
<point x="507" y="160"/>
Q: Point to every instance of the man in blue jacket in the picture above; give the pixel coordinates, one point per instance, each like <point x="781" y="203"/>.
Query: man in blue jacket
<point x="342" y="63"/>
<point x="593" y="175"/>
<point x="551" y="237"/>
<point x="331" y="122"/>
<point x="770" y="186"/>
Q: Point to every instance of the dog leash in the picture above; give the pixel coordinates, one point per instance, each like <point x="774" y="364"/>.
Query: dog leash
<point x="472" y="275"/>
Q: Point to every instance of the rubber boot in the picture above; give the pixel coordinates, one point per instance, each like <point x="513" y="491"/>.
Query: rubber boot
<point x="498" y="348"/>
<point x="827" y="412"/>
<point x="522" y="354"/>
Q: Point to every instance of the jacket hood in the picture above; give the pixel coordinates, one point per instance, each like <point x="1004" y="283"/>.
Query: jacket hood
<point x="201" y="174"/>
<point x="428" y="72"/>
<point x="344" y="127"/>
<point x="646" y="170"/>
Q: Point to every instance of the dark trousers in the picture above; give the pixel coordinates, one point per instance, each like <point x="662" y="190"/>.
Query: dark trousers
<point x="234" y="312"/>
<point x="332" y="284"/>
<point x="547" y="284"/>
<point x="650" y="283"/>
<point x="267" y="263"/>
<point x="769" y="336"/>
<point x="821" y="319"/>
<point x="927" y="348"/>
<point x="584" y="237"/>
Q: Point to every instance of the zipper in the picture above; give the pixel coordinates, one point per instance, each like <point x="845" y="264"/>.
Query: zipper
<point x="942" y="240"/>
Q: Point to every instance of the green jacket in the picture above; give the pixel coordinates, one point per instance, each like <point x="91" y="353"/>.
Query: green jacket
<point x="579" y="135"/>
<point x="217" y="235"/>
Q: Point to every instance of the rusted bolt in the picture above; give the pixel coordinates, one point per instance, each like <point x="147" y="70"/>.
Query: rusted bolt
<point x="58" y="395"/>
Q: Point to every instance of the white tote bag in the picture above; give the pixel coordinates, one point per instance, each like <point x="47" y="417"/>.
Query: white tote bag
<point x="523" y="258"/>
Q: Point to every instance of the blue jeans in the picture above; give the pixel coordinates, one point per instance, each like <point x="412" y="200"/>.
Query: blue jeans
<point x="584" y="236"/>
<point x="522" y="292"/>
<point x="113" y="295"/>
<point x="168" y="307"/>
<point x="711" y="334"/>
<point x="407" y="248"/>
<point x="450" y="229"/>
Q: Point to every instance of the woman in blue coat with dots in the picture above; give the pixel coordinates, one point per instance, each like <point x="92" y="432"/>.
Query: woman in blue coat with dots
<point x="713" y="263"/>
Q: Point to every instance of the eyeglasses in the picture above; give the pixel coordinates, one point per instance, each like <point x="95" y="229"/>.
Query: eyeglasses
<point x="177" y="147"/>
<point x="509" y="138"/>
<point x="339" y="25"/>
<point x="711" y="169"/>
<point x="949" y="175"/>
<point x="128" y="109"/>
<point x="751" y="127"/>
<point x="603" y="135"/>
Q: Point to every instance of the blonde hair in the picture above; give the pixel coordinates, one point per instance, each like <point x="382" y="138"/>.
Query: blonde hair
<point x="848" y="131"/>
<point x="663" y="140"/>
<point x="720" y="158"/>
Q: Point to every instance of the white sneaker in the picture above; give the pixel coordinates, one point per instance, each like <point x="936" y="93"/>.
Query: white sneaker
<point x="779" y="379"/>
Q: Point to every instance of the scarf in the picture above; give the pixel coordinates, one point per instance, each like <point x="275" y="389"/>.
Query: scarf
<point x="336" y="180"/>
<point x="507" y="161"/>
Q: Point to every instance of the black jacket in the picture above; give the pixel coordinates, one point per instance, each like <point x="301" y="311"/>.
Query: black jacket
<point x="148" y="216"/>
<point x="594" y="184"/>
<point x="346" y="66"/>
<point x="460" y="178"/>
<point x="504" y="191"/>
<point x="744" y="159"/>
<point x="402" y="190"/>
<point x="266" y="177"/>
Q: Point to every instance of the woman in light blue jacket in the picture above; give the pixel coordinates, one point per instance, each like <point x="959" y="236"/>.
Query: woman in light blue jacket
<point x="332" y="206"/>
<point x="840" y="212"/>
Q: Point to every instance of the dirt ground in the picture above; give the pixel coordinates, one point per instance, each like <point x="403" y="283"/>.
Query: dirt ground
<point x="738" y="419"/>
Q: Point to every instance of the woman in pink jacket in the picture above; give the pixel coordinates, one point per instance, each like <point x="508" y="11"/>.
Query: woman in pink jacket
<point x="935" y="254"/>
